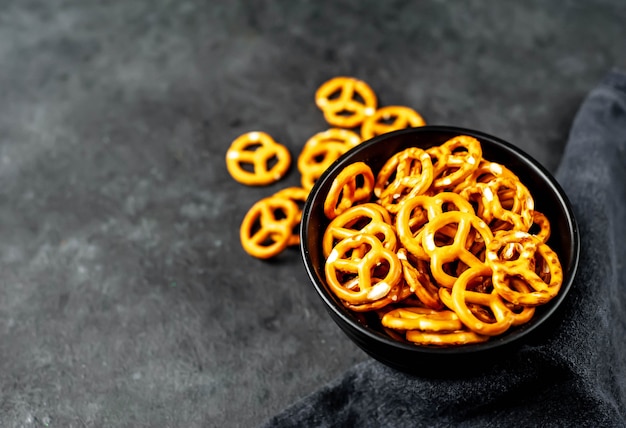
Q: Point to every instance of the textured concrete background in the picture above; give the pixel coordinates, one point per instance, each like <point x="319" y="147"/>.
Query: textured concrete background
<point x="125" y="298"/>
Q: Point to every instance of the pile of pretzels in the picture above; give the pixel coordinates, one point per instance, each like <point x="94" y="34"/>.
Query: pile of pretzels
<point x="444" y="246"/>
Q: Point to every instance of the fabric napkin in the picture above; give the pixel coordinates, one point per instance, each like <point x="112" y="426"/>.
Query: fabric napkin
<point x="575" y="375"/>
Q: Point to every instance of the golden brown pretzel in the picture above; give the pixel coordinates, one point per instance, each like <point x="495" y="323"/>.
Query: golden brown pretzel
<point x="409" y="222"/>
<point x="321" y="150"/>
<point x="459" y="298"/>
<point x="257" y="149"/>
<point x="455" y="338"/>
<point x="458" y="158"/>
<point x="418" y="280"/>
<point x="530" y="255"/>
<point x="424" y="319"/>
<point x="344" y="191"/>
<point x="466" y="225"/>
<point x="345" y="109"/>
<point x="390" y="118"/>
<point x="365" y="285"/>
<point x="298" y="195"/>
<point x="363" y="218"/>
<point x="267" y="227"/>
<point x="406" y="174"/>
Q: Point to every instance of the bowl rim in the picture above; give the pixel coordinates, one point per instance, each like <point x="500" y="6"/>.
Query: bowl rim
<point x="495" y="342"/>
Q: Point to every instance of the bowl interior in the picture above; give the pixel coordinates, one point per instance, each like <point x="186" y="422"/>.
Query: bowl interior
<point x="549" y="199"/>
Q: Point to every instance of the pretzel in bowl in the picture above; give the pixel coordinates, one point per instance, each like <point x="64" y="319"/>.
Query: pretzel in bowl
<point x="346" y="191"/>
<point x="360" y="280"/>
<point x="472" y="249"/>
<point x="257" y="150"/>
<point x="346" y="101"/>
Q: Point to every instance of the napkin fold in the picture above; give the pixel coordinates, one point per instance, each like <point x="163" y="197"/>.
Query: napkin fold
<point x="573" y="375"/>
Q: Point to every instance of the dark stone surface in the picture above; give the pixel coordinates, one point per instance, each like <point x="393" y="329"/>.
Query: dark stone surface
<point x="125" y="297"/>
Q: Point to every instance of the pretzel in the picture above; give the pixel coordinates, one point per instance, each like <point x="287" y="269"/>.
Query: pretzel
<point x="542" y="222"/>
<point x="345" y="110"/>
<point x="419" y="281"/>
<point x="344" y="191"/>
<point x="485" y="172"/>
<point x="267" y="227"/>
<point x="258" y="150"/>
<point x="321" y="150"/>
<point x="532" y="254"/>
<point x="418" y="318"/>
<point x="398" y="293"/>
<point x="455" y="338"/>
<point x="459" y="298"/>
<point x="409" y="223"/>
<point x="405" y="175"/>
<point x="458" y="158"/>
<point x="458" y="249"/>
<point x="390" y="118"/>
<point x="366" y="285"/>
<point x="351" y="222"/>
<point x="298" y="195"/>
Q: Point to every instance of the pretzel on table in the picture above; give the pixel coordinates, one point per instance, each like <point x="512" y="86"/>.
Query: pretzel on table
<point x="257" y="150"/>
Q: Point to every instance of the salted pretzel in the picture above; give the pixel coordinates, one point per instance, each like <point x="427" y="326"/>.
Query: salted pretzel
<point x="298" y="195"/>
<point x="530" y="261"/>
<point x="366" y="285"/>
<point x="419" y="282"/>
<point x="390" y="118"/>
<point x="345" y="190"/>
<point x="454" y="338"/>
<point x="485" y="172"/>
<point x="543" y="224"/>
<point x="424" y="319"/>
<point x="257" y="150"/>
<point x="466" y="224"/>
<point x="363" y="218"/>
<point x="406" y="174"/>
<point x="346" y="101"/>
<point x="457" y="158"/>
<point x="418" y="211"/>
<point x="321" y="150"/>
<point x="267" y="228"/>
<point x="461" y="299"/>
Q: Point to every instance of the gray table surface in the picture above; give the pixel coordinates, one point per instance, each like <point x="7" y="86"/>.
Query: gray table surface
<point x="125" y="297"/>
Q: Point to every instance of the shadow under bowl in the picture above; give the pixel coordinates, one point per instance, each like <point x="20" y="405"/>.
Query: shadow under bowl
<point x="366" y="333"/>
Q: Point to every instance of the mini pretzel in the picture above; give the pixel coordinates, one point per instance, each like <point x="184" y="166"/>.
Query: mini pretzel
<point x="344" y="191"/>
<point x="390" y="118"/>
<point x="458" y="249"/>
<point x="405" y="175"/>
<point x="366" y="286"/>
<point x="519" y="214"/>
<point x="338" y="98"/>
<point x="267" y="228"/>
<point x="398" y="293"/>
<point x="459" y="298"/>
<point x="419" y="281"/>
<point x="410" y="228"/>
<point x="460" y="157"/>
<point x="257" y="149"/>
<point x="455" y="338"/>
<point x="323" y="149"/>
<point x="417" y="318"/>
<point x="299" y="196"/>
<point x="531" y="255"/>
<point x="351" y="222"/>
<point x="542" y="222"/>
<point x="485" y="172"/>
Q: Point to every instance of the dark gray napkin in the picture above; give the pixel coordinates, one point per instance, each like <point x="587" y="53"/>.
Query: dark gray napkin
<point x="573" y="375"/>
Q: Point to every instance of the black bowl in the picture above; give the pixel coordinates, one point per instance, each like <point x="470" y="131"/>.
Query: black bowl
<point x="549" y="199"/>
